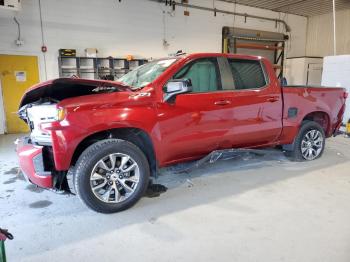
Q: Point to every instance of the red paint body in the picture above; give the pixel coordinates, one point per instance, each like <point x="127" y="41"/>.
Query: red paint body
<point x="26" y="153"/>
<point x="196" y="123"/>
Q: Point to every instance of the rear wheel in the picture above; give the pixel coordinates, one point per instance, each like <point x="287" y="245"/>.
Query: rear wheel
<point x="309" y="143"/>
<point x="111" y="175"/>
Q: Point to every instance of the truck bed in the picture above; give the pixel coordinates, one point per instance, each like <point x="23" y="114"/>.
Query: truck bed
<point x="300" y="100"/>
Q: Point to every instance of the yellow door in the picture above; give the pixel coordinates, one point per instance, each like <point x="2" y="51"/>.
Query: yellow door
<point x="17" y="73"/>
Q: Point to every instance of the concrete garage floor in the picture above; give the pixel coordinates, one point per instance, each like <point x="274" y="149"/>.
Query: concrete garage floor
<point x="256" y="208"/>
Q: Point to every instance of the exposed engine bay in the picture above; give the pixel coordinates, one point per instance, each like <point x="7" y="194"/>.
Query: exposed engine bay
<point x="34" y="114"/>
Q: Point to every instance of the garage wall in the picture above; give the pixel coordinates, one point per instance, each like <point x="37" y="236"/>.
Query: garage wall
<point x="130" y="27"/>
<point x="320" y="34"/>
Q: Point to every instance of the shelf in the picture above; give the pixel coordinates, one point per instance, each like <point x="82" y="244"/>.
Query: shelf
<point x="68" y="67"/>
<point x="68" y="57"/>
<point x="257" y="46"/>
<point x="98" y="66"/>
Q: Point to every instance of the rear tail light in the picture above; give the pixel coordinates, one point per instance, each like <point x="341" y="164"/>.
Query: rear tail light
<point x="346" y="95"/>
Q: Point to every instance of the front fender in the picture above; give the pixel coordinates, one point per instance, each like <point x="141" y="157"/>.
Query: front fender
<point x="69" y="133"/>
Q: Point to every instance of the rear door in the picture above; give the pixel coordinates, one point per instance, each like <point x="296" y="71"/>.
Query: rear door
<point x="256" y="104"/>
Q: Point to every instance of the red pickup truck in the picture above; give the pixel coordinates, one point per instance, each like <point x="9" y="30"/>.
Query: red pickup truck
<point x="108" y="138"/>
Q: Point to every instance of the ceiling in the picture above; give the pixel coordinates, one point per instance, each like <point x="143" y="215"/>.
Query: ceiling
<point x="298" y="7"/>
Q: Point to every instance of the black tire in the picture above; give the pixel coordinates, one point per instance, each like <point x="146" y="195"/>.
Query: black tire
<point x="307" y="126"/>
<point x="70" y="180"/>
<point x="88" y="160"/>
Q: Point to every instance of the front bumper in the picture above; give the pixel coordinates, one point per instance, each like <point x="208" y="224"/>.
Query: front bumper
<point x="32" y="164"/>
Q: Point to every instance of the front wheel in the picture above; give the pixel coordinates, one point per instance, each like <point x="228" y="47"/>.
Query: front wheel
<point x="309" y="143"/>
<point x="111" y="175"/>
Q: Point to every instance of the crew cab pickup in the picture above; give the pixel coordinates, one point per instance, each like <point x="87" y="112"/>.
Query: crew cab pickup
<point x="107" y="138"/>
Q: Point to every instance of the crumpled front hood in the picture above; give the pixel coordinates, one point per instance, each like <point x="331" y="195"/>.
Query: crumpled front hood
<point x="62" y="88"/>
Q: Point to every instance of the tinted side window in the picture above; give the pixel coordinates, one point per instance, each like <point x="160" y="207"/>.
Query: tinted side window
<point x="203" y="73"/>
<point x="247" y="74"/>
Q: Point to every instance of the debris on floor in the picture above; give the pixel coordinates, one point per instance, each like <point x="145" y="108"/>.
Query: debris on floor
<point x="227" y="154"/>
<point x="152" y="220"/>
<point x="154" y="190"/>
<point x="189" y="182"/>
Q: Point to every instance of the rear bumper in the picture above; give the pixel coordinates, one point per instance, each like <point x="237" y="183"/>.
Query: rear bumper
<point x="32" y="164"/>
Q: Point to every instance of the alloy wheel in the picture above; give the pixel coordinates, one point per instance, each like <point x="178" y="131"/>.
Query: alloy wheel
<point x="312" y="144"/>
<point x="114" y="178"/>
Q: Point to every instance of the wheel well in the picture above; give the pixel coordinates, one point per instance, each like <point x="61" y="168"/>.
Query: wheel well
<point x="321" y="118"/>
<point x="133" y="135"/>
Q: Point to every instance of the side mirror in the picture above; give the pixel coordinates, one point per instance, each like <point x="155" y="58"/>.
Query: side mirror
<point x="177" y="86"/>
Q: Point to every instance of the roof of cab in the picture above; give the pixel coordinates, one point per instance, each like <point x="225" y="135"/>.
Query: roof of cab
<point x="199" y="55"/>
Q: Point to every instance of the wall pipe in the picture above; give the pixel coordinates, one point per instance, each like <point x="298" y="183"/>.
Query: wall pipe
<point x="276" y="20"/>
<point x="334" y="32"/>
<point x="42" y="37"/>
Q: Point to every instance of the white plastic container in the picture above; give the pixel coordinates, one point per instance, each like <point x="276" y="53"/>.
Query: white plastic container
<point x="91" y="52"/>
<point x="336" y="73"/>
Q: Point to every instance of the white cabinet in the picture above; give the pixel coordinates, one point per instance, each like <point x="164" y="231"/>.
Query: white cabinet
<point x="336" y="73"/>
<point x="304" y="70"/>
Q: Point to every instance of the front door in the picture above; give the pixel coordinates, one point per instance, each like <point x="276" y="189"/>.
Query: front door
<point x="17" y="73"/>
<point x="195" y="123"/>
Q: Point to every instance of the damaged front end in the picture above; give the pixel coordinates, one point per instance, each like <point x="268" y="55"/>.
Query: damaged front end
<point x="40" y="106"/>
<point x="34" y="114"/>
<point x="35" y="152"/>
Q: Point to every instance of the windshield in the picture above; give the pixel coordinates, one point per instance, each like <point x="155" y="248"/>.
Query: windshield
<point x="145" y="74"/>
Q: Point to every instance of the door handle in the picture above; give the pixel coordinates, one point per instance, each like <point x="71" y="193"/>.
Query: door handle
<point x="272" y="99"/>
<point x="222" y="102"/>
